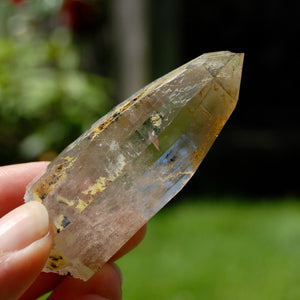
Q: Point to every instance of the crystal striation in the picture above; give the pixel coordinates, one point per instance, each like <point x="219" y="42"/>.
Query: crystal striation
<point x="107" y="184"/>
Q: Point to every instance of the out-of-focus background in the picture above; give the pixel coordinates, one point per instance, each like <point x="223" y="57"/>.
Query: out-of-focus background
<point x="234" y="231"/>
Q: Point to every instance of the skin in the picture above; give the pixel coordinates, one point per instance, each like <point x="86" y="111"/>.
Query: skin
<point x="20" y="269"/>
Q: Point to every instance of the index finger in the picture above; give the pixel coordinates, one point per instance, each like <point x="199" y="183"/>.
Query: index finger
<point x="13" y="182"/>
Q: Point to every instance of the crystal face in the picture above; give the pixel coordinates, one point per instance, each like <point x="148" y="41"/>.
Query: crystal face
<point x="109" y="182"/>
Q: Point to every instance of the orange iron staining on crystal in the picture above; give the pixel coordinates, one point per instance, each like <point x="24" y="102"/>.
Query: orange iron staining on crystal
<point x="109" y="182"/>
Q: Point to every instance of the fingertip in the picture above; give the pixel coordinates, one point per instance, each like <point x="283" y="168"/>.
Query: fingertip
<point x="117" y="270"/>
<point x="45" y="283"/>
<point x="19" y="269"/>
<point x="106" y="283"/>
<point x="23" y="226"/>
<point x="25" y="243"/>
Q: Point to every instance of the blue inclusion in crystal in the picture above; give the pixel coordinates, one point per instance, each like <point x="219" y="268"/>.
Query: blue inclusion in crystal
<point x="174" y="161"/>
<point x="176" y="152"/>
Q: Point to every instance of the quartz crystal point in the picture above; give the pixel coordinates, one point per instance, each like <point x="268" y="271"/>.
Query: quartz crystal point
<point x="109" y="182"/>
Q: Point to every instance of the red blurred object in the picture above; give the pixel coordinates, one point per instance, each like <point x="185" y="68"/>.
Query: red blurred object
<point x="17" y="1"/>
<point x="78" y="15"/>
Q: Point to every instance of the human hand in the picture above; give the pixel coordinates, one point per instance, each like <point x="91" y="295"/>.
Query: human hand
<point x="25" y="243"/>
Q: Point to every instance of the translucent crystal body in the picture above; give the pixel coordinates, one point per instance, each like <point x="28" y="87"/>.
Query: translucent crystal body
<point x="105" y="186"/>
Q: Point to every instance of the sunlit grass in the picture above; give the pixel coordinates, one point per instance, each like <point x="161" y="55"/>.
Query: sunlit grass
<point x="218" y="250"/>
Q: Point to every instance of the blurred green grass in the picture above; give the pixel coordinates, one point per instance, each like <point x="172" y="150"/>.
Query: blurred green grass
<point x="218" y="250"/>
<point x="224" y="249"/>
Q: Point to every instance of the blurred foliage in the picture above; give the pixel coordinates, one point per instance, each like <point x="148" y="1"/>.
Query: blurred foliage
<point x="46" y="100"/>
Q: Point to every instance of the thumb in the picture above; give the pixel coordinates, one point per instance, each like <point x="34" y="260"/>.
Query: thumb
<point x="25" y="243"/>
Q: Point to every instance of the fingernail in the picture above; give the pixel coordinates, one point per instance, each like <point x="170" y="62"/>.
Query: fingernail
<point x="23" y="226"/>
